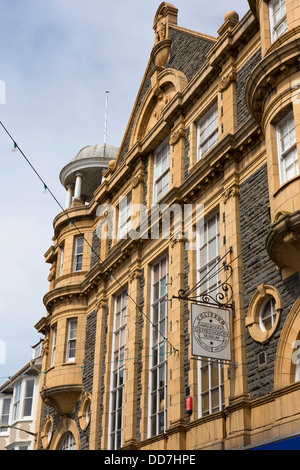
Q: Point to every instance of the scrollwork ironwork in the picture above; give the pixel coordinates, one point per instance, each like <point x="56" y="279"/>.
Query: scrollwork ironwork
<point x="223" y="291"/>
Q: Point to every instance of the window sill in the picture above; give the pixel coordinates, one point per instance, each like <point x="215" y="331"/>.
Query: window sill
<point x="22" y="420"/>
<point x="284" y="185"/>
<point x="69" y="363"/>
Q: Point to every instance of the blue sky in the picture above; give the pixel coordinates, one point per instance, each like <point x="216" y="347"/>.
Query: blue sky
<point x="57" y="59"/>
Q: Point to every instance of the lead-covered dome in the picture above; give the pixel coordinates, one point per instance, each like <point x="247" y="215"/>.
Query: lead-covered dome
<point x="84" y="173"/>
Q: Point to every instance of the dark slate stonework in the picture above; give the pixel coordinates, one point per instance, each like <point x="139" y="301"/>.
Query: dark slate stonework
<point x="140" y="359"/>
<point x="90" y="339"/>
<point x="145" y="187"/>
<point x="103" y="375"/>
<point x="96" y="246"/>
<point x="48" y="410"/>
<point x="186" y="154"/>
<point x="188" y="52"/>
<point x="186" y="327"/>
<point x="243" y="75"/>
<point x="258" y="269"/>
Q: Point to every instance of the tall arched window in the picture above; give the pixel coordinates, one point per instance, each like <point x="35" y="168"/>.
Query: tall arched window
<point x="287" y="367"/>
<point x="68" y="442"/>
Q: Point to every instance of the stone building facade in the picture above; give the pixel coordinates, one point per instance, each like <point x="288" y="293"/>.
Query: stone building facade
<point x="214" y="135"/>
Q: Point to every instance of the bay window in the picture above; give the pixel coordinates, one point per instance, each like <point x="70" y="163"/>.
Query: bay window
<point x="23" y="400"/>
<point x="287" y="148"/>
<point x="71" y="340"/>
<point x="5" y="411"/>
<point x="54" y="334"/>
<point x="78" y="253"/>
<point x="278" y="22"/>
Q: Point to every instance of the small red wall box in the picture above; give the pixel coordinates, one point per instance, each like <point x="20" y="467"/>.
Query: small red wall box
<point x="189" y="405"/>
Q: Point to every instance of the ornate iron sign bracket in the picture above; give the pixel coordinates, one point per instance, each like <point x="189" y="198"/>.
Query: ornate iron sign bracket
<point x="220" y="296"/>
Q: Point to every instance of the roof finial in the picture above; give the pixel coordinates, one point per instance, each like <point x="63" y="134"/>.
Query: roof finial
<point x="105" y="122"/>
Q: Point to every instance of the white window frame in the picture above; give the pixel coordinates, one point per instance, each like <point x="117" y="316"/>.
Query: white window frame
<point x="78" y="253"/>
<point x="286" y="127"/>
<point x="16" y="402"/>
<point x="211" y="389"/>
<point x="20" y="398"/>
<point x="37" y="351"/>
<point x="61" y="260"/>
<point x="19" y="446"/>
<point x="161" y="170"/>
<point x="124" y="219"/>
<point x="53" y="347"/>
<point x="71" y="339"/>
<point x="207" y="237"/>
<point x="116" y="402"/>
<point x="29" y="398"/>
<point x="208" y="256"/>
<point x="281" y="22"/>
<point x="158" y="362"/>
<point x="207" y="131"/>
<point x="272" y="316"/>
<point x="6" y="415"/>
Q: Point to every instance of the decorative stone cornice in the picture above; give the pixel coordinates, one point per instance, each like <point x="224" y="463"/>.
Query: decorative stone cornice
<point x="233" y="191"/>
<point x="177" y="239"/>
<point x="226" y="80"/>
<point x="136" y="180"/>
<point x="102" y="303"/>
<point x="136" y="274"/>
<point x="177" y="135"/>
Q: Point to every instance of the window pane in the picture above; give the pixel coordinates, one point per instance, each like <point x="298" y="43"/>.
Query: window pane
<point x="27" y="407"/>
<point x="163" y="286"/>
<point x="204" y="378"/>
<point x="154" y="402"/>
<point x="153" y="425"/>
<point x="205" y="404"/>
<point x="215" y="400"/>
<point x="161" y="422"/>
<point x="161" y="376"/>
<point x="214" y="375"/>
<point x="156" y="291"/>
<point x="154" y="379"/>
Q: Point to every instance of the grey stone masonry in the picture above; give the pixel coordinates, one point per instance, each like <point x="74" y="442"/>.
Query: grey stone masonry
<point x="96" y="247"/>
<point x="187" y="308"/>
<point x="243" y="75"/>
<point x="258" y="268"/>
<point x="103" y="373"/>
<point x="140" y="359"/>
<point x="188" y="52"/>
<point x="88" y="365"/>
<point x="186" y="154"/>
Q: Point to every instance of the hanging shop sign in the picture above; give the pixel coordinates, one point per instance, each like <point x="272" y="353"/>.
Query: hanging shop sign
<point x="210" y="332"/>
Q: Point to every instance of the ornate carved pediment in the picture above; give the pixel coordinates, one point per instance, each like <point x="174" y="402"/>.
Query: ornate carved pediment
<point x="165" y="84"/>
<point x="166" y="15"/>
